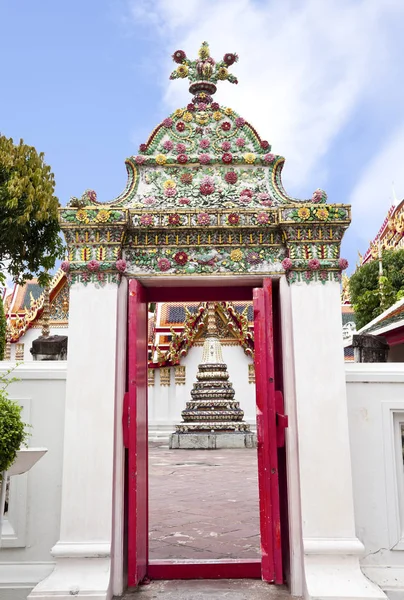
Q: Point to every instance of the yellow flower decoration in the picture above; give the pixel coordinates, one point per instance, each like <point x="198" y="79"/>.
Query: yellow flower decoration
<point x="182" y="71"/>
<point x="222" y="73"/>
<point x="81" y="215"/>
<point x="202" y="119"/>
<point x="228" y="111"/>
<point x="203" y="52"/>
<point x="303" y="213"/>
<point x="179" y="112"/>
<point x="322" y="213"/>
<point x="169" y="183"/>
<point x="217" y="115"/>
<point x="161" y="159"/>
<point x="103" y="216"/>
<point x="236" y="255"/>
<point x="203" y="94"/>
<point x="187" y="117"/>
<point x="249" y="158"/>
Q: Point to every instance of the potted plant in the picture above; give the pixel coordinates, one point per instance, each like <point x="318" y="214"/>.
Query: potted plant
<point x="13" y="436"/>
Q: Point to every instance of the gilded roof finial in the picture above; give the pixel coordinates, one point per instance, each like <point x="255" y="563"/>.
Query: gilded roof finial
<point x="204" y="72"/>
<point x="46" y="313"/>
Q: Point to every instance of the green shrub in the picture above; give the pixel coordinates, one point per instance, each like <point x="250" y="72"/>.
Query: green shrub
<point x="12" y="428"/>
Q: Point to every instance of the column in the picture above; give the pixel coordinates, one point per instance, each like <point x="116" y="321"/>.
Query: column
<point x="83" y="552"/>
<point x="330" y="548"/>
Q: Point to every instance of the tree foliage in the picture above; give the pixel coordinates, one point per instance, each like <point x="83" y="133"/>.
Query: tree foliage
<point x="13" y="434"/>
<point x="29" y="228"/>
<point x="371" y="295"/>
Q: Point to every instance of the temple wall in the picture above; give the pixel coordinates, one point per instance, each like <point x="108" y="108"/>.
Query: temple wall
<point x="167" y="402"/>
<point x="376" y="415"/>
<point x="33" y="520"/>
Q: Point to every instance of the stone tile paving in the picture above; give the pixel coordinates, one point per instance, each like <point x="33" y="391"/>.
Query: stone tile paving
<point x="203" y="504"/>
<point x="224" y="589"/>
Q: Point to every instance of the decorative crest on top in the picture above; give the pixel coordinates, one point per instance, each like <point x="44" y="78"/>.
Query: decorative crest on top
<point x="204" y="72"/>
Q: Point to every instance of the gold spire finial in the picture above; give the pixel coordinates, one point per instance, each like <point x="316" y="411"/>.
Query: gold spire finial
<point x="46" y="313"/>
<point x="211" y="329"/>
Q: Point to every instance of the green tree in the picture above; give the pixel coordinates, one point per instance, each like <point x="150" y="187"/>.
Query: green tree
<point x="29" y="228"/>
<point x="13" y="433"/>
<point x="371" y="294"/>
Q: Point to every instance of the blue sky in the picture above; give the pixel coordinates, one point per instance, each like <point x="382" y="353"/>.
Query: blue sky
<point x="86" y="82"/>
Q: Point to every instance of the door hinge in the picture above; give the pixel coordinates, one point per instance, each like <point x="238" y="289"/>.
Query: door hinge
<point x="125" y="420"/>
<point x="281" y="419"/>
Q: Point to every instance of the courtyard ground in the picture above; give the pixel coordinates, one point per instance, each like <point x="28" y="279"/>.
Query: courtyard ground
<point x="203" y="504"/>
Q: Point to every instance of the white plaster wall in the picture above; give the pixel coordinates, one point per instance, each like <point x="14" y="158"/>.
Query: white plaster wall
<point x="375" y="395"/>
<point x="167" y="402"/>
<point x="31" y="335"/>
<point x="35" y="497"/>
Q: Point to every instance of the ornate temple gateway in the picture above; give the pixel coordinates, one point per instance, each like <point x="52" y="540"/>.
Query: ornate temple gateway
<point x="204" y="197"/>
<point x="205" y="218"/>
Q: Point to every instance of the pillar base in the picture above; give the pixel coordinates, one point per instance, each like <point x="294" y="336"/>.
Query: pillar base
<point x="81" y="571"/>
<point x="212" y="441"/>
<point x="332" y="571"/>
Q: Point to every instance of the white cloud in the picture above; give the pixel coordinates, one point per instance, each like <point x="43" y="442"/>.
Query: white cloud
<point x="304" y="66"/>
<point x="373" y="194"/>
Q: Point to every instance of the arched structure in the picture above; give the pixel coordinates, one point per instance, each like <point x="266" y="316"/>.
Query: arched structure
<point x="205" y="206"/>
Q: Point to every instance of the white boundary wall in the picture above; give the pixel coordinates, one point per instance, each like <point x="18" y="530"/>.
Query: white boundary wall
<point x="376" y="411"/>
<point x="33" y="522"/>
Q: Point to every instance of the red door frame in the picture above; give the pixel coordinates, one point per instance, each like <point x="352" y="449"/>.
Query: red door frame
<point x="135" y="435"/>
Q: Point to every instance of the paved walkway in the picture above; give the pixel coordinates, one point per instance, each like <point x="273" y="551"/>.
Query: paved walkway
<point x="225" y="589"/>
<point x="203" y="504"/>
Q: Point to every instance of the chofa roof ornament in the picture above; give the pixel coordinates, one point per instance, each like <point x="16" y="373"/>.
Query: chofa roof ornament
<point x="204" y="72"/>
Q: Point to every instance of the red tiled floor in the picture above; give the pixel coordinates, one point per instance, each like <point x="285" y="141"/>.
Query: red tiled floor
<point x="203" y="504"/>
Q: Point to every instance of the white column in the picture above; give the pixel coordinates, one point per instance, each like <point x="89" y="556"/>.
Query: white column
<point x="331" y="549"/>
<point x="83" y="553"/>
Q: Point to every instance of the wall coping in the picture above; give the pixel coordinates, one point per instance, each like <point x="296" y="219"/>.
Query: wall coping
<point x="374" y="373"/>
<point x="36" y="370"/>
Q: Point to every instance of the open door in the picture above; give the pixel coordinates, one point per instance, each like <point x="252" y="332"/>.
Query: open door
<point x="267" y="435"/>
<point x="136" y="435"/>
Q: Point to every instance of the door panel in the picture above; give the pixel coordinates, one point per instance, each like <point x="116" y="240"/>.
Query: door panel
<point x="268" y="479"/>
<point x="138" y="527"/>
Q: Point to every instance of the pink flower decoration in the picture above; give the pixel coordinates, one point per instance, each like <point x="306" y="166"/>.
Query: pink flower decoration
<point x="240" y="122"/>
<point x="204" y="143"/>
<point x="149" y="200"/>
<point x="120" y="265"/>
<point x="313" y="264"/>
<point x="263" y="218"/>
<point x="264" y="145"/>
<point x="245" y="199"/>
<point x="286" y="264"/>
<point x="146" y="220"/>
<point x="65" y="266"/>
<point x="202" y="106"/>
<point x="317" y="196"/>
<point x="343" y="264"/>
<point x="227" y="158"/>
<point x="93" y="265"/>
<point x="101" y="276"/>
<point x="184" y="200"/>
<point x="247" y="192"/>
<point x="168" y="145"/>
<point x="170" y="192"/>
<point x="203" y="219"/>
<point x="191" y="107"/>
<point x="164" y="264"/>
<point x="181" y="148"/>
<point x="168" y="122"/>
<point x="204" y="159"/>
<point x="240" y="142"/>
<point x="266" y="202"/>
<point x="269" y="158"/>
<point x="226" y="126"/>
<point x="92" y="195"/>
<point x="253" y="258"/>
<point x="143" y="147"/>
<point x="263" y="196"/>
<point x="139" y="160"/>
<point x="208" y="179"/>
<point x="215" y="105"/>
<point x="182" y="159"/>
<point x="206" y="188"/>
<point x="226" y="146"/>
<point x="231" y="177"/>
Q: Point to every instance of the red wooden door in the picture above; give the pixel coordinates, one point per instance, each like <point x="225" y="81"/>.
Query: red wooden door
<point x="268" y="479"/>
<point x="138" y="526"/>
